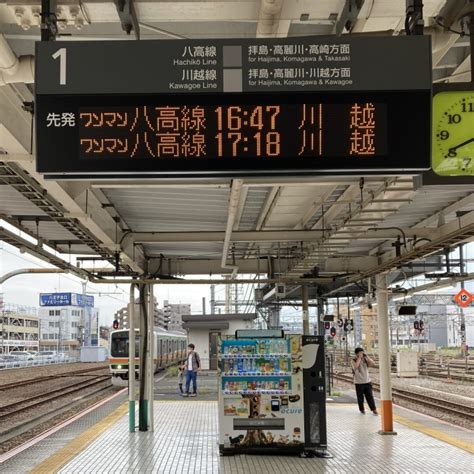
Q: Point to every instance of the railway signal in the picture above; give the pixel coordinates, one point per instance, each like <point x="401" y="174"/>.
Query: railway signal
<point x="348" y="325"/>
<point x="115" y="324"/>
<point x="333" y="331"/>
<point x="416" y="325"/>
<point x="327" y="325"/>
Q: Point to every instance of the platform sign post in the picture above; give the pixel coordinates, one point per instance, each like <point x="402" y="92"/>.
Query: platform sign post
<point x="233" y="107"/>
<point x="131" y="360"/>
<point x="384" y="354"/>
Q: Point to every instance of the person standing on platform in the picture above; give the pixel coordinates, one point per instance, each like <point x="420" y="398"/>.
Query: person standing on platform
<point x="193" y="366"/>
<point x="181" y="369"/>
<point x="360" y="368"/>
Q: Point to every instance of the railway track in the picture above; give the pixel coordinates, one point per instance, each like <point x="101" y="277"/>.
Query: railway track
<point x="43" y="398"/>
<point x="450" y="407"/>
<point x="72" y="373"/>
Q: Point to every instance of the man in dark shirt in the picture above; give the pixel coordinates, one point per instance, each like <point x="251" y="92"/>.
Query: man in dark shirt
<point x="193" y="366"/>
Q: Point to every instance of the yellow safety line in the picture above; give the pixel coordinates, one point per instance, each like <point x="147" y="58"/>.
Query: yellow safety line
<point x="193" y="400"/>
<point x="469" y="447"/>
<point x="59" y="459"/>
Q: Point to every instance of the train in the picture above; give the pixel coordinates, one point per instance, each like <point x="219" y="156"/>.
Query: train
<point x="169" y="349"/>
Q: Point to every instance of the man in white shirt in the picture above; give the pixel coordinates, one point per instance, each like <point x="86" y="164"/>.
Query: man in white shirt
<point x="193" y="366"/>
<point x="360" y="369"/>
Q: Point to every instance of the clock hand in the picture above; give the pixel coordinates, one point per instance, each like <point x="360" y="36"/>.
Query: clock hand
<point x="461" y="144"/>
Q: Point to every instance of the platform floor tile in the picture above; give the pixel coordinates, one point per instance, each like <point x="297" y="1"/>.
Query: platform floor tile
<point x="185" y="441"/>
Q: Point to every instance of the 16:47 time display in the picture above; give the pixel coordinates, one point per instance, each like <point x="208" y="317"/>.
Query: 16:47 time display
<point x="251" y="130"/>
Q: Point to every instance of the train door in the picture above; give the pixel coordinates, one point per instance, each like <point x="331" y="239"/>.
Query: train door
<point x="165" y="352"/>
<point x="160" y="353"/>
<point x="213" y="344"/>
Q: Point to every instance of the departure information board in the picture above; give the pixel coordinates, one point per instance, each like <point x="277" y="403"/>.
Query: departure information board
<point x="233" y="131"/>
<point x="223" y="113"/>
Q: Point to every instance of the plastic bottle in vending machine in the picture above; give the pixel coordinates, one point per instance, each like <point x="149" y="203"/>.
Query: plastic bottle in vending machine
<point x="240" y="367"/>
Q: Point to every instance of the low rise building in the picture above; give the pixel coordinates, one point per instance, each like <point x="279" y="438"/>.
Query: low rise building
<point x="67" y="322"/>
<point x="173" y="315"/>
<point x="19" y="331"/>
<point x="206" y="330"/>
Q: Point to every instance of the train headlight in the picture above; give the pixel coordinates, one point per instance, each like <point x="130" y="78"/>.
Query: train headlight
<point x="119" y="366"/>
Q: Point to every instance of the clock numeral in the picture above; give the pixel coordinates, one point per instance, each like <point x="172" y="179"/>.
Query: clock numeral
<point x="467" y="107"/>
<point x="452" y="153"/>
<point x="444" y="135"/>
<point x="454" y="118"/>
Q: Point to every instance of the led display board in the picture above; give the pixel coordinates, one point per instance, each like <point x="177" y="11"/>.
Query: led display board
<point x="286" y="106"/>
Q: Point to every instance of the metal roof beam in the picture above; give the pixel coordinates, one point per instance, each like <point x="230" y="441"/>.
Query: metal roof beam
<point x="455" y="206"/>
<point x="348" y="17"/>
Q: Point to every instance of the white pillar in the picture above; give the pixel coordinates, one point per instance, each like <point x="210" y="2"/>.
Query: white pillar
<point x="384" y="354"/>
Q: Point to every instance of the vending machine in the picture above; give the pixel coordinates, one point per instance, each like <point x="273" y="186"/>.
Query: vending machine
<point x="272" y="393"/>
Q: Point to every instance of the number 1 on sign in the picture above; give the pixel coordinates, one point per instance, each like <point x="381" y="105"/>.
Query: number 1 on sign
<point x="61" y="54"/>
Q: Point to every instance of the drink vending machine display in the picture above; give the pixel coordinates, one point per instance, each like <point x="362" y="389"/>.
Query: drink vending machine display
<point x="272" y="393"/>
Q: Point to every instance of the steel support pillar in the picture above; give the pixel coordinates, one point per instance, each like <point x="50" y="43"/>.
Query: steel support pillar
<point x="319" y="329"/>
<point x="143" y="338"/>
<point x="304" y="299"/>
<point x="384" y="354"/>
<point x="131" y="360"/>
<point x="150" y="355"/>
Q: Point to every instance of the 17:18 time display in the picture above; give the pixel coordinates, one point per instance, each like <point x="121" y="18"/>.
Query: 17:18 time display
<point x="242" y="130"/>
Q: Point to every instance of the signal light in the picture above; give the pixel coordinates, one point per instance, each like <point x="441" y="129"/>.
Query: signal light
<point x="416" y="325"/>
<point x="333" y="331"/>
<point x="422" y="325"/>
<point x="115" y="324"/>
<point x="327" y="325"/>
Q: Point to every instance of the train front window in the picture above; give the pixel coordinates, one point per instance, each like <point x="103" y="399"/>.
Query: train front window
<point x="120" y="345"/>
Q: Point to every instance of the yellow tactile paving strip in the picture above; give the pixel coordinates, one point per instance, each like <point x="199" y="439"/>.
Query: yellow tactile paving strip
<point x="73" y="448"/>
<point x="469" y="447"/>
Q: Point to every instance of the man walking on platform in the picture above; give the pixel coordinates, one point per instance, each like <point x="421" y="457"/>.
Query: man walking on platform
<point x="193" y="366"/>
<point x="360" y="369"/>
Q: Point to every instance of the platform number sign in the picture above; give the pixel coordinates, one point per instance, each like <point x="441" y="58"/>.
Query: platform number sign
<point x="464" y="298"/>
<point x="61" y="54"/>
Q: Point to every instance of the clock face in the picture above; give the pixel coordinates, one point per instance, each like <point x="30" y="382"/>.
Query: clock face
<point x="453" y="133"/>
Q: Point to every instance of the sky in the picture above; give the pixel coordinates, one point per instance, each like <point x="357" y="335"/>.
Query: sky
<point x="25" y="289"/>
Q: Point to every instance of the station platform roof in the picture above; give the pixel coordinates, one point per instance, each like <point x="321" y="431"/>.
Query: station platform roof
<point x="330" y="231"/>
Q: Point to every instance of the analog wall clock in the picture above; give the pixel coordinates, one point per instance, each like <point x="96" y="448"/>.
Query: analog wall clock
<point x="453" y="133"/>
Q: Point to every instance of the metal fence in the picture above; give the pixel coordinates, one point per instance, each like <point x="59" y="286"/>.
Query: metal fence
<point x="37" y="361"/>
